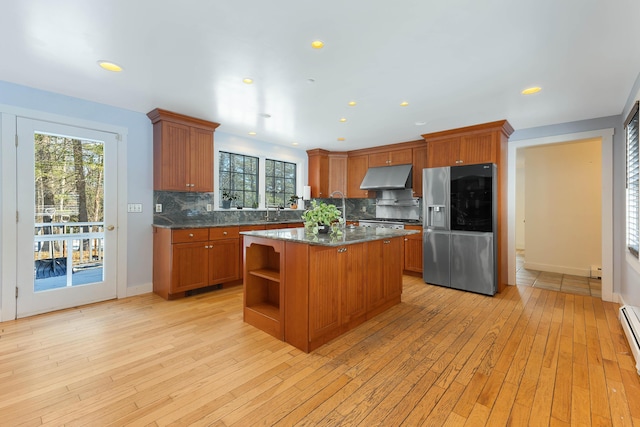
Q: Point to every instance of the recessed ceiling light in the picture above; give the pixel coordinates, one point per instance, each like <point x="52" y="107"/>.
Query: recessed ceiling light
<point x="252" y="133"/>
<point x="247" y="80"/>
<point x="110" y="66"/>
<point x="531" y="90"/>
<point x="342" y="119"/>
<point x="404" y="103"/>
<point x="352" y="103"/>
<point x="421" y="123"/>
<point x="341" y="139"/>
<point x="265" y="115"/>
<point x="317" y="44"/>
<point x="294" y="143"/>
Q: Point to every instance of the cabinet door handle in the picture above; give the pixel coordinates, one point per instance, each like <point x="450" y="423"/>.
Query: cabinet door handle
<point x="188" y="185"/>
<point x="190" y="234"/>
<point x="224" y="233"/>
<point x="206" y="247"/>
<point x="386" y="242"/>
<point x="342" y="250"/>
<point x="406" y="240"/>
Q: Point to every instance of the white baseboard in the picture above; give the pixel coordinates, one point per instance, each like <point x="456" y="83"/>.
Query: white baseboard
<point x="584" y="272"/>
<point x="139" y="290"/>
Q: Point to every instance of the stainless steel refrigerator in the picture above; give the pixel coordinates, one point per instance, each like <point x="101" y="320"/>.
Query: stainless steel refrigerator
<point x="459" y="217"/>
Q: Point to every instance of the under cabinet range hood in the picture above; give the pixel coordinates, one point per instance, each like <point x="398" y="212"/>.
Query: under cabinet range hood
<point x="387" y="178"/>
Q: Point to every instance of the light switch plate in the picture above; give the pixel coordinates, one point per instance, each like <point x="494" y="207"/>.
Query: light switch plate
<point x="209" y="208"/>
<point x="134" y="207"/>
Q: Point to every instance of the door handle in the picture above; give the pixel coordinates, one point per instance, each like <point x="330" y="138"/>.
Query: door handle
<point x="110" y="227"/>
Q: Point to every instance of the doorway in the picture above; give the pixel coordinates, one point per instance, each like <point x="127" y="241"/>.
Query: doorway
<point x="67" y="233"/>
<point x="606" y="138"/>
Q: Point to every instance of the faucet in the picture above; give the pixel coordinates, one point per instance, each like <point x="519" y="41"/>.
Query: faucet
<point x="276" y="207"/>
<point x="344" y="209"/>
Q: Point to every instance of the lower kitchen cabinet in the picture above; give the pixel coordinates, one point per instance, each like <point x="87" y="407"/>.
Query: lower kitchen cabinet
<point x="337" y="288"/>
<point x="413" y="251"/>
<point x="187" y="259"/>
<point x="384" y="283"/>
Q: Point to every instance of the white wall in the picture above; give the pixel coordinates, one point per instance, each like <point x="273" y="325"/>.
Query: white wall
<point x="563" y="216"/>
<point x="520" y="201"/>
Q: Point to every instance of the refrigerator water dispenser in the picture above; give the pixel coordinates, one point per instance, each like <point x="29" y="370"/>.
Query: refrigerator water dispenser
<point x="436" y="217"/>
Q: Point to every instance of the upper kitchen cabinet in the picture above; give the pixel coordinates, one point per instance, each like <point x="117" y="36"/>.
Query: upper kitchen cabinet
<point x="470" y="145"/>
<point x="318" y="172"/>
<point x="182" y="152"/>
<point x="390" y="158"/>
<point x="420" y="157"/>
<point x="338" y="172"/>
<point x="327" y="172"/>
<point x="357" y="166"/>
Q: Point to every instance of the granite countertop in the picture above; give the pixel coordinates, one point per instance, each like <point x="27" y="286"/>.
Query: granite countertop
<point x="349" y="236"/>
<point x="209" y="224"/>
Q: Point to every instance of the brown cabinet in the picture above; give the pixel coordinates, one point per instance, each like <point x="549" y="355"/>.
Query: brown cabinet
<point x="390" y="158"/>
<point x="188" y="259"/>
<point x="318" y="173"/>
<point x="413" y="251"/>
<point x="480" y="147"/>
<point x="338" y="173"/>
<point x="327" y="172"/>
<point x="182" y="152"/>
<point x="484" y="143"/>
<point x="384" y="282"/>
<point x="419" y="163"/>
<point x="310" y="294"/>
<point x="337" y="288"/>
<point x="357" y="168"/>
<point x="224" y="243"/>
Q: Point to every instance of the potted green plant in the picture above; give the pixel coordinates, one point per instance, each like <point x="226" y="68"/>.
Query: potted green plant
<point x="322" y="218"/>
<point x="293" y="201"/>
<point x="227" y="198"/>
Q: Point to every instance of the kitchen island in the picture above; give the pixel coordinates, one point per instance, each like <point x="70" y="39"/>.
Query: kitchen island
<point x="307" y="289"/>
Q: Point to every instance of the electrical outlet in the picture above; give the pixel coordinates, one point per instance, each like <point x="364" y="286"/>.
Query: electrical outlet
<point x="364" y="209"/>
<point x="158" y="207"/>
<point x="209" y="208"/>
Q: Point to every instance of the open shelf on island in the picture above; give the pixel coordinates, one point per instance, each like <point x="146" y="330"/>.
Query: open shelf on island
<point x="268" y="310"/>
<point x="267" y="273"/>
<point x="262" y="289"/>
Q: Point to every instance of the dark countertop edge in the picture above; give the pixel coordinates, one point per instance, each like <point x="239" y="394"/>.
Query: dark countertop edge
<point x="240" y="224"/>
<point x="324" y="239"/>
<point x="228" y="224"/>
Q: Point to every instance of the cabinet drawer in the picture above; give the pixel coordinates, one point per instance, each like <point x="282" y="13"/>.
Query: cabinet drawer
<point x="190" y="235"/>
<point x="218" y="233"/>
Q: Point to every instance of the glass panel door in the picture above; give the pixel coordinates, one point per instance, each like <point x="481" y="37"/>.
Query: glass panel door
<point x="66" y="203"/>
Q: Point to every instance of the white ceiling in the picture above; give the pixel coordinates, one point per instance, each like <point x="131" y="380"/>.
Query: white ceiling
<point x="457" y="62"/>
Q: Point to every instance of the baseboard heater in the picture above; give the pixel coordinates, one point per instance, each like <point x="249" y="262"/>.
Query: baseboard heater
<point x="630" y="320"/>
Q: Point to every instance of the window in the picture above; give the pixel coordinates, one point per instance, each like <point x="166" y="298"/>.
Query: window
<point x="280" y="182"/>
<point x="631" y="130"/>
<point x="239" y="177"/>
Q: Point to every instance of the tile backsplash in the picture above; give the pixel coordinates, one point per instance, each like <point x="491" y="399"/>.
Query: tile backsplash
<point x="191" y="208"/>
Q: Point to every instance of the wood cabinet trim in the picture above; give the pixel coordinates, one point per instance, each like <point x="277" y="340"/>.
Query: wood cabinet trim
<point x="159" y="114"/>
<point x="500" y="125"/>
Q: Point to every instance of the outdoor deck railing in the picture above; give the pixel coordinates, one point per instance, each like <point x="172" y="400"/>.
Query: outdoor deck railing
<point x="85" y="239"/>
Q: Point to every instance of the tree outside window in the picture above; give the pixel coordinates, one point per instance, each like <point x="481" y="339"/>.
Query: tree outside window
<point x="280" y="182"/>
<point x="239" y="177"/>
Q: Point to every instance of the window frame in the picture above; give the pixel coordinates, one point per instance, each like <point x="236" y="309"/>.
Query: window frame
<point x="632" y="180"/>
<point x="285" y="194"/>
<point x="241" y="193"/>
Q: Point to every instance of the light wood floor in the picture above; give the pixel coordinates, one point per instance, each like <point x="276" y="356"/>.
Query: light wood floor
<point x="527" y="356"/>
